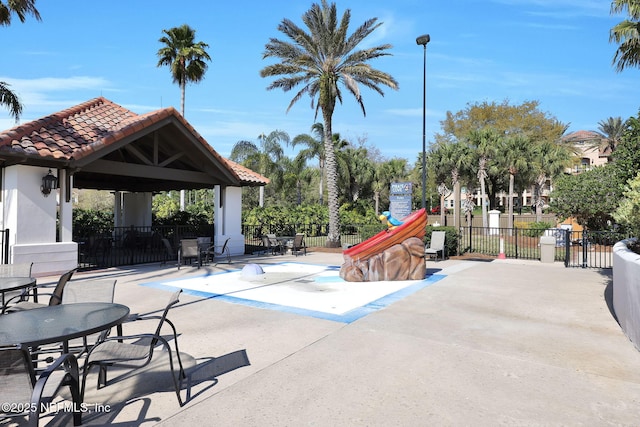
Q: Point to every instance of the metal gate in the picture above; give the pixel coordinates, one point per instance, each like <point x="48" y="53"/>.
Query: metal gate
<point x="590" y="249"/>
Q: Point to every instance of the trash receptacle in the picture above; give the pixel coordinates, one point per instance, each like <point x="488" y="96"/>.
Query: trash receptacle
<point x="547" y="249"/>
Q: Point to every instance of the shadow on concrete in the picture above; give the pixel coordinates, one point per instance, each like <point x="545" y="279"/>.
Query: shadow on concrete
<point x="131" y="386"/>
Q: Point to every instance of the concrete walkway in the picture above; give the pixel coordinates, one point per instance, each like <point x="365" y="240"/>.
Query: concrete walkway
<point x="493" y="343"/>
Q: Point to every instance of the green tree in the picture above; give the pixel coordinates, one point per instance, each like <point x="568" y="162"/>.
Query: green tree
<point x="485" y="142"/>
<point x="506" y="120"/>
<point x="611" y="131"/>
<point x="9" y="99"/>
<point x="184" y="56"/>
<point x="515" y="156"/>
<point x="591" y="197"/>
<point x="321" y="60"/>
<point x="457" y="158"/>
<point x="626" y="34"/>
<point x="186" y="59"/>
<point x="549" y="161"/>
<point x="19" y="8"/>
<point x="628" y="212"/>
<point x="315" y="149"/>
<point x="264" y="158"/>
<point x="626" y="158"/>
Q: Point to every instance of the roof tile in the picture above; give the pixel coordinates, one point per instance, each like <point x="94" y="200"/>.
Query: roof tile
<point x="85" y="128"/>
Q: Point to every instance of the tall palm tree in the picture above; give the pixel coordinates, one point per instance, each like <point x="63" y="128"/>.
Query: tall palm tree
<point x="611" y="131"/>
<point x="20" y="8"/>
<point x="485" y="141"/>
<point x="515" y="156"/>
<point x="184" y="56"/>
<point x="626" y="34"/>
<point x="322" y="60"/>
<point x="457" y="158"/>
<point x="186" y="59"/>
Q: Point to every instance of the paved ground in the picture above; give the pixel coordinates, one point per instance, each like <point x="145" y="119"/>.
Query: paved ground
<point x="493" y="343"/>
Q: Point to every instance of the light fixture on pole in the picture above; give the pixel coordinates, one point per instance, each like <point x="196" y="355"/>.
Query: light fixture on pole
<point x="49" y="182"/>
<point x="423" y="40"/>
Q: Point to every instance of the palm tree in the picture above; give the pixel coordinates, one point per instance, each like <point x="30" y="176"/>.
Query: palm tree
<point x="320" y="61"/>
<point x="186" y="59"/>
<point x="626" y="34"/>
<point x="10" y="100"/>
<point x="485" y="141"/>
<point x="549" y="161"/>
<point x="611" y="131"/>
<point x="21" y="8"/>
<point x="515" y="156"/>
<point x="184" y="56"/>
<point x="263" y="158"/>
<point x="315" y="149"/>
<point x="457" y="159"/>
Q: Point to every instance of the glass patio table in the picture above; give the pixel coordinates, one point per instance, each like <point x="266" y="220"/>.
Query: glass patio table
<point x="8" y="284"/>
<point x="59" y="323"/>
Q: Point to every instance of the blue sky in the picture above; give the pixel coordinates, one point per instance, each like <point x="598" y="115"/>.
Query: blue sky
<point x="553" y="51"/>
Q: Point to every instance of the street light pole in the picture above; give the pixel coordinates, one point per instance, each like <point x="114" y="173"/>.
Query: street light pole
<point x="423" y="40"/>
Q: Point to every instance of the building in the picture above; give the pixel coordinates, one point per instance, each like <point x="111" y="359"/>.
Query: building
<point x="101" y="145"/>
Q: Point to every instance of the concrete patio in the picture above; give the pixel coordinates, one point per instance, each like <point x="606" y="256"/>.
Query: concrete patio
<point x="492" y="343"/>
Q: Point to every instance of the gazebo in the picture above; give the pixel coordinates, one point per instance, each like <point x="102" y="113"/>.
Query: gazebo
<point x="101" y="145"/>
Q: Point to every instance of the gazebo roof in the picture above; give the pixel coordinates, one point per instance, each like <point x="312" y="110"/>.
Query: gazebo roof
<point x="106" y="146"/>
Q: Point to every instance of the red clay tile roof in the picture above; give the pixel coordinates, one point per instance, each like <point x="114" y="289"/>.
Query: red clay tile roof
<point x="582" y="135"/>
<point x="76" y="132"/>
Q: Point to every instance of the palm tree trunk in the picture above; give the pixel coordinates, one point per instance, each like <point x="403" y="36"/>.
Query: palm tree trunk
<point x="456" y="204"/>
<point x="322" y="177"/>
<point x="512" y="179"/>
<point x="333" y="237"/>
<point x="182" y="90"/>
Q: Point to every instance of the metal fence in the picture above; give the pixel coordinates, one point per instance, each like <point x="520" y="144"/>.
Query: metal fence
<point x="315" y="233"/>
<point x="134" y="245"/>
<point x="586" y="249"/>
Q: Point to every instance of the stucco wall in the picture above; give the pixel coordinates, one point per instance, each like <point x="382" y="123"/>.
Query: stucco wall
<point x="626" y="290"/>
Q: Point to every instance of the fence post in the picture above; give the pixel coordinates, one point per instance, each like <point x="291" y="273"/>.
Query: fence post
<point x="567" y="246"/>
<point x="585" y="242"/>
<point x="5" y="246"/>
<point x="516" y="241"/>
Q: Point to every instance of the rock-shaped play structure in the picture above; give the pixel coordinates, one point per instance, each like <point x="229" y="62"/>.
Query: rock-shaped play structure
<point x="393" y="254"/>
<point x="404" y="261"/>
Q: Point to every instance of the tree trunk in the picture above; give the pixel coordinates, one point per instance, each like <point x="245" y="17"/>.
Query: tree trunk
<point x="512" y="179"/>
<point x="333" y="237"/>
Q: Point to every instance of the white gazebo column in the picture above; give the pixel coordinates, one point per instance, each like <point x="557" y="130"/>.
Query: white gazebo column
<point x="30" y="217"/>
<point x="228" y="218"/>
<point x="65" y="229"/>
<point x="136" y="210"/>
<point x="117" y="209"/>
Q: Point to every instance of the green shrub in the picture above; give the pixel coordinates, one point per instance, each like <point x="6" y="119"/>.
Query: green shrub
<point x="533" y="229"/>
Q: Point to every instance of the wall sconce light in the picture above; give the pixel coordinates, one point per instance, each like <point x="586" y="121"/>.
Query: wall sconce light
<point x="49" y="182"/>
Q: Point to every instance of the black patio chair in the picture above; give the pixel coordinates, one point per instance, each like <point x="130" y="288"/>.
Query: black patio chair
<point x="22" y="390"/>
<point x="55" y="297"/>
<point x="134" y="350"/>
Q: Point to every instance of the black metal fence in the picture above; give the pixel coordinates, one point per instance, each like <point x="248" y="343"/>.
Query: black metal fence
<point x="134" y="245"/>
<point x="586" y="249"/>
<point x="137" y="245"/>
<point x="315" y="234"/>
